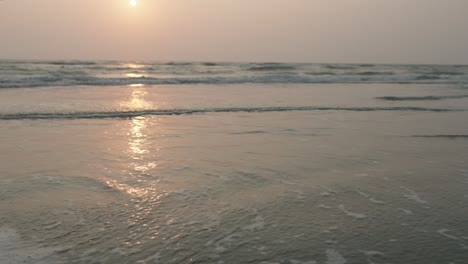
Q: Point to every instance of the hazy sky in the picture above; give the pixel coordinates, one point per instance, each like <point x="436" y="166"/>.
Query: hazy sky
<point x="362" y="31"/>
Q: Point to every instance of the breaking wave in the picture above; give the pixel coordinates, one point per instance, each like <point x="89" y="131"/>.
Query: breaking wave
<point x="167" y="112"/>
<point x="443" y="136"/>
<point x="73" y="80"/>
<point x="274" y="67"/>
<point x="19" y="74"/>
<point x="373" y="73"/>
<point x="421" y="98"/>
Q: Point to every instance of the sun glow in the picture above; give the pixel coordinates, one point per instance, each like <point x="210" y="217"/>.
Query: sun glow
<point x="133" y="3"/>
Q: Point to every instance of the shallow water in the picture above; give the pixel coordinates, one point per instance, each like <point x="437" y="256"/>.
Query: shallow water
<point x="329" y="183"/>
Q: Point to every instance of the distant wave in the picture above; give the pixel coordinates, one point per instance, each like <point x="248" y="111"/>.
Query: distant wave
<point x="370" y="73"/>
<point x="209" y="64"/>
<point x="19" y="74"/>
<point x="447" y="73"/>
<point x="127" y="69"/>
<point x="172" y="63"/>
<point x="442" y="136"/>
<point x="341" y="66"/>
<point x="70" y="63"/>
<point x="321" y="73"/>
<point x="166" y="112"/>
<point x="59" y="79"/>
<point x="428" y="77"/>
<point x="273" y="67"/>
<point x="420" y="98"/>
<point x="447" y="70"/>
<point x="250" y="132"/>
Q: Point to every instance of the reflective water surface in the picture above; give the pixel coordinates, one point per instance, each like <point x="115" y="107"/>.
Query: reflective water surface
<point x="234" y="187"/>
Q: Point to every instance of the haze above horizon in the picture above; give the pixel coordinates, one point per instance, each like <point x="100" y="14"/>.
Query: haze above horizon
<point x="319" y="31"/>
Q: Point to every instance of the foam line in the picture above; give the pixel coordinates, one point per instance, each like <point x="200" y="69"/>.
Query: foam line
<point x="166" y="112"/>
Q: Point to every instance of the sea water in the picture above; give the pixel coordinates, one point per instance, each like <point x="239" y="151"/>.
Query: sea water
<point x="118" y="162"/>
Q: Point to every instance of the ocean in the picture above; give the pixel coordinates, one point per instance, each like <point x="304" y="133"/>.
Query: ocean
<point x="271" y="163"/>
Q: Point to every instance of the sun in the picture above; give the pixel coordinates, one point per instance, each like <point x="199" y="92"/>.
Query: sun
<point x="133" y="3"/>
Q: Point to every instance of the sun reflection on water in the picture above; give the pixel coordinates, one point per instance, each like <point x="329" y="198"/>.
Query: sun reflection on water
<point x="137" y="99"/>
<point x="137" y="138"/>
<point x="135" y="70"/>
<point x="137" y="174"/>
<point x="135" y="75"/>
<point x="138" y="142"/>
<point x="134" y="65"/>
<point x="142" y="152"/>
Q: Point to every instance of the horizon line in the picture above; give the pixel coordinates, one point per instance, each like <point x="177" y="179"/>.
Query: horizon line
<point x="227" y="61"/>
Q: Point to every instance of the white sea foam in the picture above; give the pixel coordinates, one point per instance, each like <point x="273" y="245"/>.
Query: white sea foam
<point x="334" y="257"/>
<point x="13" y="250"/>
<point x="324" y="206"/>
<point x="406" y="211"/>
<point x="412" y="195"/>
<point x="256" y="224"/>
<point x="225" y="243"/>
<point x="328" y="191"/>
<point x="52" y="225"/>
<point x="363" y="194"/>
<point x="444" y="232"/>
<point x="352" y="214"/>
<point x="8" y="238"/>
<point x="371" y="199"/>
